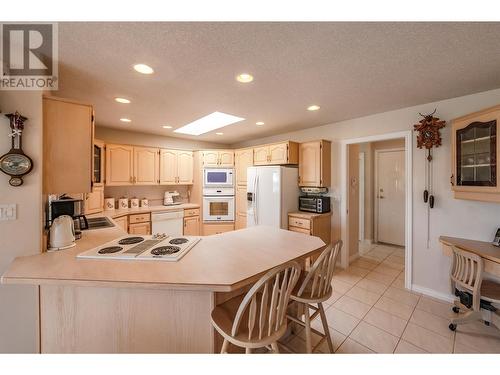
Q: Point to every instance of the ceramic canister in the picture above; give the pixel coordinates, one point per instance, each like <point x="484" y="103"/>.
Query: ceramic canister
<point x="123" y="203"/>
<point x="134" y="203"/>
<point x="144" y="202"/>
<point x="109" y="204"/>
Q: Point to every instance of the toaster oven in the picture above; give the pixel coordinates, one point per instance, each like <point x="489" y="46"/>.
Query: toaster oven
<point x="317" y="204"/>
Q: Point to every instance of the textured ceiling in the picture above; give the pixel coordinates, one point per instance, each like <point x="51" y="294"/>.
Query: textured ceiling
<point x="350" y="69"/>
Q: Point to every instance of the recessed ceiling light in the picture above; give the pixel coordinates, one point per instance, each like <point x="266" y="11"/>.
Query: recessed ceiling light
<point x="166" y="127"/>
<point x="259" y="123"/>
<point x="208" y="123"/>
<point x="244" y="78"/>
<point x="143" y="68"/>
<point x="313" y="107"/>
<point x="219" y="133"/>
<point x="122" y="100"/>
<point x="125" y="120"/>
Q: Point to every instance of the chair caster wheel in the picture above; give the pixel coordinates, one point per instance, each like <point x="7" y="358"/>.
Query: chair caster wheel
<point x="487" y="323"/>
<point x="455" y="309"/>
<point x="452" y="327"/>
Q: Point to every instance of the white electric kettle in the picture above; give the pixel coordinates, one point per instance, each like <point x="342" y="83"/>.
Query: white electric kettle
<point x="62" y="233"/>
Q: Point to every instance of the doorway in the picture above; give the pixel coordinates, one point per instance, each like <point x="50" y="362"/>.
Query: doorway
<point x="377" y="223"/>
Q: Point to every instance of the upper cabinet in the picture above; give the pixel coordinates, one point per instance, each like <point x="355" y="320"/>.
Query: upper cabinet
<point x="276" y="154"/>
<point x="146" y="166"/>
<point x="475" y="148"/>
<point x="119" y="165"/>
<point x="98" y="163"/>
<point x="68" y="129"/>
<point x="218" y="158"/>
<point x="315" y="164"/>
<point x="176" y="167"/>
<point x="242" y="160"/>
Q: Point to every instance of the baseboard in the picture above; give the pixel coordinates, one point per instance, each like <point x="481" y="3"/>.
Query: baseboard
<point x="432" y="293"/>
<point x="353" y="257"/>
<point x="366" y="242"/>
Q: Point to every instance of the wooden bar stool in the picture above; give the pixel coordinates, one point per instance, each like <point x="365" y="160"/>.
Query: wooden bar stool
<point x="258" y="319"/>
<point x="315" y="287"/>
<point x="466" y="276"/>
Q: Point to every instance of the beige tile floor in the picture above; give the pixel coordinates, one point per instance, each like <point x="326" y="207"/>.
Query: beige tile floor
<point x="370" y="311"/>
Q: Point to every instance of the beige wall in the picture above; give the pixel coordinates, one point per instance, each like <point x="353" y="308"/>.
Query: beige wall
<point x="143" y="139"/>
<point x="19" y="304"/>
<point x="449" y="216"/>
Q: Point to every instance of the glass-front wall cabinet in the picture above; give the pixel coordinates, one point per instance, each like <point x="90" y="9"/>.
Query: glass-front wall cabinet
<point x="98" y="163"/>
<point x="475" y="153"/>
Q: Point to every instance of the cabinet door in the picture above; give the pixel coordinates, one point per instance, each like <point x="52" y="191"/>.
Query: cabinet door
<point x="119" y="165"/>
<point x="168" y="167"/>
<point x="98" y="163"/>
<point x="210" y="229"/>
<point x="68" y="130"/>
<point x="142" y="228"/>
<point x="122" y="222"/>
<point x="145" y="166"/>
<point x="476" y="146"/>
<point x="310" y="164"/>
<point x="94" y="201"/>
<point x="226" y="158"/>
<point x="241" y="207"/>
<point x="192" y="226"/>
<point x="260" y="155"/>
<point x="210" y="158"/>
<point x="242" y="160"/>
<point x="184" y="167"/>
<point x="278" y="154"/>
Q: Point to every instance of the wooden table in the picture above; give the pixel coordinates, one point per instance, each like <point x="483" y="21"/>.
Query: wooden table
<point x="487" y="251"/>
<point x="130" y="306"/>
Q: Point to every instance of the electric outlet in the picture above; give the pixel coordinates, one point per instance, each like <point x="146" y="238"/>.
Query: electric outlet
<point x="8" y="211"/>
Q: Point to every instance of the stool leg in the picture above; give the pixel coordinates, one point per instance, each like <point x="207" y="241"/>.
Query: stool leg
<point x="307" y="321"/>
<point x="248" y="351"/>
<point x="225" y="344"/>
<point x="274" y="345"/>
<point x="325" y="327"/>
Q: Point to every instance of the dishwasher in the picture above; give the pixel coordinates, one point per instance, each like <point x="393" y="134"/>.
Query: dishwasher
<point x="169" y="222"/>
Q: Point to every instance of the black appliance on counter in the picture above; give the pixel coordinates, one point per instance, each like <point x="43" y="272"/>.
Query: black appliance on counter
<point x="314" y="200"/>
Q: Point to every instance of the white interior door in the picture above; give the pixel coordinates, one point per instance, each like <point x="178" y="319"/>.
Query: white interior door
<point x="390" y="196"/>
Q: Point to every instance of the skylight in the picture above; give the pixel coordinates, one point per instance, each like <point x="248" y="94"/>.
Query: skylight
<point x="208" y="123"/>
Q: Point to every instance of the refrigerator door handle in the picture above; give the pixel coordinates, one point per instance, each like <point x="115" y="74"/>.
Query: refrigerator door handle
<point x="254" y="184"/>
<point x="256" y="214"/>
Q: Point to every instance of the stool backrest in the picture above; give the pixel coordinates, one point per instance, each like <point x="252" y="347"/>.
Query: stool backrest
<point x="318" y="281"/>
<point x="263" y="308"/>
<point x="467" y="272"/>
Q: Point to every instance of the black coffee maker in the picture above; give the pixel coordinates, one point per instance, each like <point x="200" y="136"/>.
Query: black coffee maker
<point x="66" y="205"/>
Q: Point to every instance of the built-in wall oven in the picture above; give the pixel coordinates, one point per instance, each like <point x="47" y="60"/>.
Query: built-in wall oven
<point x="218" y="207"/>
<point x="218" y="177"/>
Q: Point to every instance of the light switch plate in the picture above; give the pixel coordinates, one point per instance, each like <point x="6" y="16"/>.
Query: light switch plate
<point x="8" y="212"/>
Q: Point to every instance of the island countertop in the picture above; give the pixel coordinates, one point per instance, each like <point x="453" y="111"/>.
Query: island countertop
<point x="221" y="263"/>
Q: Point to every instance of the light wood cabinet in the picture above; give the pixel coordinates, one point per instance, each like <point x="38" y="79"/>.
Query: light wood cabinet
<point x="315" y="164"/>
<point x="276" y="154"/>
<point x="241" y="207"/>
<point x="176" y="167"/>
<point x="68" y="132"/>
<point x="98" y="163"/>
<point x="242" y="160"/>
<point x="318" y="225"/>
<point x="146" y="164"/>
<point x="192" y="226"/>
<point x="139" y="218"/>
<point x="122" y="222"/>
<point x="217" y="228"/>
<point x="218" y="158"/>
<point x="94" y="201"/>
<point x="119" y="165"/>
<point x="140" y="228"/>
<point x="475" y="149"/>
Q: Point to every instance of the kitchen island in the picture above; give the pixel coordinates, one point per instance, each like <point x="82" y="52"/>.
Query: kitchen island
<point x="132" y="306"/>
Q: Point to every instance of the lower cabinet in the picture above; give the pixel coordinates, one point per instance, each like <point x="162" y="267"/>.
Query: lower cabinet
<point x="139" y="228"/>
<point x="217" y="228"/>
<point x="192" y="226"/>
<point x="318" y="225"/>
<point x="122" y="222"/>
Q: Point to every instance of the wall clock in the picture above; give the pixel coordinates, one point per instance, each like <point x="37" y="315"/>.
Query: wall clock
<point x="16" y="163"/>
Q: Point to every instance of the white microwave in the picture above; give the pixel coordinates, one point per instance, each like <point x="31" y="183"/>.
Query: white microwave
<point x="218" y="177"/>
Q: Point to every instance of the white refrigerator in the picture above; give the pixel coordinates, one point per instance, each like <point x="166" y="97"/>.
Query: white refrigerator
<point x="272" y="192"/>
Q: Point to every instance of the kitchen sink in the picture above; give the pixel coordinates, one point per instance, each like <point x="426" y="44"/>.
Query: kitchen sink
<point x="99" y="223"/>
